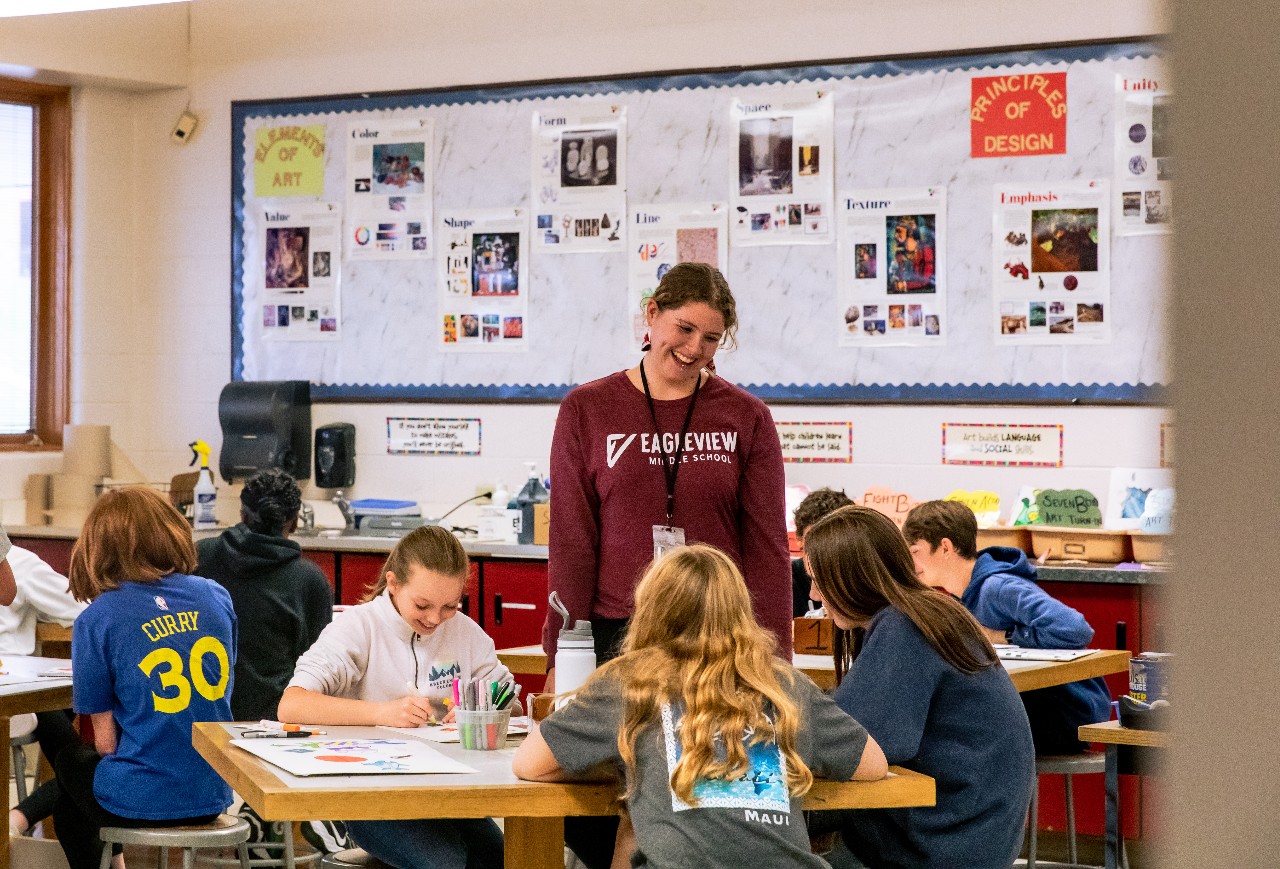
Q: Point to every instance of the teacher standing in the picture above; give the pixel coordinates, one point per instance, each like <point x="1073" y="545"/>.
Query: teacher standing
<point x="663" y="454"/>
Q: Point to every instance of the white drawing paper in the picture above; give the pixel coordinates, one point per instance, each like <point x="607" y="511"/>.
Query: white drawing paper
<point x="306" y="757"/>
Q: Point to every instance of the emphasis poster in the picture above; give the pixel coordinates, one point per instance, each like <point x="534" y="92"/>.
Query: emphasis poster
<point x="389" y="194"/>
<point x="484" y="281"/>
<point x="1052" y="263"/>
<point x="299" y="272"/>
<point x="666" y="234"/>
<point x="580" y="179"/>
<point x="892" y="272"/>
<point x="1144" y="164"/>
<point x="783" y="189"/>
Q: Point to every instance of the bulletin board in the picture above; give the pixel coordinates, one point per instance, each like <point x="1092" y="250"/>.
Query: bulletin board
<point x="901" y="123"/>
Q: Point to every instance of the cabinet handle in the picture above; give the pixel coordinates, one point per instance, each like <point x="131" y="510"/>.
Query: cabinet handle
<point x="498" y="606"/>
<point x="466" y="604"/>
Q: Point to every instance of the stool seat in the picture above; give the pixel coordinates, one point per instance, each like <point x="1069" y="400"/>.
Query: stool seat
<point x="224" y="831"/>
<point x="352" y="858"/>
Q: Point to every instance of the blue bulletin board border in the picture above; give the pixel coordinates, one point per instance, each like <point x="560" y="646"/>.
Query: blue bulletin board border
<point x="243" y="111"/>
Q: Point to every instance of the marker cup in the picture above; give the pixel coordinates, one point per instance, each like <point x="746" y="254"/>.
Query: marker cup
<point x="483" y="730"/>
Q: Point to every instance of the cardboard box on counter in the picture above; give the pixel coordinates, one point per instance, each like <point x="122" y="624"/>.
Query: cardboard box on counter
<point x="541" y="524"/>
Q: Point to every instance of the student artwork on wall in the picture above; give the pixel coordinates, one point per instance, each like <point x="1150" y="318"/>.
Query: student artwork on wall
<point x="1143" y="171"/>
<point x="663" y="235"/>
<point x="1051" y="270"/>
<point x="781" y="189"/>
<point x="777" y="142"/>
<point x="389" y="188"/>
<point x="297" y="274"/>
<point x="307" y="757"/>
<point x="484" y="290"/>
<point x="580" y="178"/>
<point x="891" y="272"/>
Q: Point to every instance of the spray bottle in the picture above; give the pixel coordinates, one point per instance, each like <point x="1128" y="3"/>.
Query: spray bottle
<point x="575" y="652"/>
<point x="532" y="493"/>
<point x="204" y="512"/>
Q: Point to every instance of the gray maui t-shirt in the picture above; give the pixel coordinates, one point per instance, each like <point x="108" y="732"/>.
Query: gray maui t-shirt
<point x="752" y="821"/>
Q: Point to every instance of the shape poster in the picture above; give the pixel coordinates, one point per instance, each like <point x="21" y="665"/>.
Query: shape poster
<point x="667" y="234"/>
<point x="1052" y="263"/>
<point x="580" y="179"/>
<point x="891" y="271"/>
<point x="390" y="164"/>
<point x="484" y="280"/>
<point x="1144" y="163"/>
<point x="288" y="161"/>
<point x="783" y="189"/>
<point x="300" y="271"/>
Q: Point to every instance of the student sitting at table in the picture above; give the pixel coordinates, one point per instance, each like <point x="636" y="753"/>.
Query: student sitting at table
<point x="719" y="738"/>
<point x="392" y="660"/>
<point x="152" y="654"/>
<point x="813" y="507"/>
<point x="41" y="594"/>
<point x="998" y="585"/>
<point x="926" y="683"/>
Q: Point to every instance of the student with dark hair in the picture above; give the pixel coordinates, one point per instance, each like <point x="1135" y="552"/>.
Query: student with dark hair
<point x="926" y="684"/>
<point x="282" y="600"/>
<point x="815" y="505"/>
<point x="998" y="585"/>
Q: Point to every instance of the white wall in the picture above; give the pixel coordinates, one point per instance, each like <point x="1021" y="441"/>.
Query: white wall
<point x="152" y="224"/>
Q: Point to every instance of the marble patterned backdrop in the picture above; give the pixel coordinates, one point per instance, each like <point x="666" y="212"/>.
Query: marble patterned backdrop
<point x="907" y="128"/>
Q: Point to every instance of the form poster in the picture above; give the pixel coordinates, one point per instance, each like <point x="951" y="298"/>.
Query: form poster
<point x="299" y="272"/>
<point x="580" y="179"/>
<point x="664" y="235"/>
<point x="783" y="189"/>
<point x="484" y="280"/>
<point x="892" y="273"/>
<point x="389" y="195"/>
<point x="1052" y="263"/>
<point x="1144" y="165"/>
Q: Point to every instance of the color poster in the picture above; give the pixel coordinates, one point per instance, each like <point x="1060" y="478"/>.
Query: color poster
<point x="390" y="164"/>
<point x="782" y="176"/>
<point x="664" y="235"/>
<point x="580" y="179"/>
<point x="484" y="280"/>
<point x="299" y="272"/>
<point x="1051" y="253"/>
<point x="1144" y="162"/>
<point x="891" y="273"/>
<point x="288" y="161"/>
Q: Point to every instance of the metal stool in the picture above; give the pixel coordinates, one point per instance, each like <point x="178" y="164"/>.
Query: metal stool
<point x="17" y="744"/>
<point x="1066" y="765"/>
<point x="225" y="831"/>
<point x="352" y="858"/>
<point x="286" y="859"/>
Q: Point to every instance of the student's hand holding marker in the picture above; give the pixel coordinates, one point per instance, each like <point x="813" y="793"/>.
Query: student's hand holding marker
<point x="410" y="711"/>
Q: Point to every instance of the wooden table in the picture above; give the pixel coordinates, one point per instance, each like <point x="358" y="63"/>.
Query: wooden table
<point x="1112" y="735"/>
<point x="1026" y="675"/>
<point x="534" y="812"/>
<point x="42" y="695"/>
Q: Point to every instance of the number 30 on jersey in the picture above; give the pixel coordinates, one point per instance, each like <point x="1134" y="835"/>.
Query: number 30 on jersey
<point x="172" y="675"/>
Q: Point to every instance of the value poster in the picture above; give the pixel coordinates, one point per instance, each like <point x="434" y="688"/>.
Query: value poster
<point x="390" y="164"/>
<point x="663" y="235"/>
<point x="299" y="272"/>
<point x="783" y="187"/>
<point x="1144" y="165"/>
<point x="484" y="281"/>
<point x="1051" y="253"/>
<point x="580" y="179"/>
<point x="288" y="161"/>
<point x="891" y="270"/>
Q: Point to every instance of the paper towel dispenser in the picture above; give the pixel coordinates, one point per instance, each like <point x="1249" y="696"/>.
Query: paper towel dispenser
<point x="265" y="424"/>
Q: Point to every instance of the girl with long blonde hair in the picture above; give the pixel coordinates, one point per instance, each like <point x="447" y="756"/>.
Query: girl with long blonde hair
<point x="718" y="737"/>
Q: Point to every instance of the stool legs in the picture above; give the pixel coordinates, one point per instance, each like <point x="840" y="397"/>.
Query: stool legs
<point x="1071" y="821"/>
<point x="20" y="772"/>
<point x="1032" y="823"/>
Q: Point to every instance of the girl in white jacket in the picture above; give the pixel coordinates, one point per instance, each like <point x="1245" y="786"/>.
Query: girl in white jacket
<point x="392" y="660"/>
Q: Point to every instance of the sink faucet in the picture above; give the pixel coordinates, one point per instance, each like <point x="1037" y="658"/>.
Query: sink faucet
<point x="306" y="517"/>
<point x="345" y="506"/>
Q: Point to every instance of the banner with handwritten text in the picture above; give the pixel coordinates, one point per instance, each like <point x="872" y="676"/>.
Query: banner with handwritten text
<point x="433" y="437"/>
<point x="816" y="441"/>
<point x="1022" y="446"/>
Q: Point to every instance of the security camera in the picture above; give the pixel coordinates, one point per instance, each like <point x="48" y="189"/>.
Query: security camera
<point x="184" y="128"/>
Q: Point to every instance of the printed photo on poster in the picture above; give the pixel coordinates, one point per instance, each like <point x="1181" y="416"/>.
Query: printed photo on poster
<point x="765" y="156"/>
<point x="287" y="257"/>
<point x="399" y="168"/>
<point x="912" y="251"/>
<point x="495" y="267"/>
<point x="589" y="158"/>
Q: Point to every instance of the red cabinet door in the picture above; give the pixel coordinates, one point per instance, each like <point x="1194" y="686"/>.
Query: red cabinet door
<point x="358" y="571"/>
<point x="52" y="551"/>
<point x="515" y="606"/>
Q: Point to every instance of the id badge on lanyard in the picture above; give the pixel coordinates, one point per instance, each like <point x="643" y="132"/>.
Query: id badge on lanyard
<point x="666" y="538"/>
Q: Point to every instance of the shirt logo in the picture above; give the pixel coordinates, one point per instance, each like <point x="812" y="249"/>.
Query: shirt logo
<point x="613" y="451"/>
<point x="161" y="603"/>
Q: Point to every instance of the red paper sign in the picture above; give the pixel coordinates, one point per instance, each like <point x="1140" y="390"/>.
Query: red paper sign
<point x="1023" y="115"/>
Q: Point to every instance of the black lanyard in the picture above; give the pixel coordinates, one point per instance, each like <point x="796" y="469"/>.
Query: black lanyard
<point x="670" y="469"/>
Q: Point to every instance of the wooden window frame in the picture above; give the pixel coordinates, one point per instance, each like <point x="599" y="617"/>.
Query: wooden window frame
<point x="51" y="263"/>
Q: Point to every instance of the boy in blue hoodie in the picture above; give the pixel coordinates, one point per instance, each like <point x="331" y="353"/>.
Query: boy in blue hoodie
<point x="998" y="586"/>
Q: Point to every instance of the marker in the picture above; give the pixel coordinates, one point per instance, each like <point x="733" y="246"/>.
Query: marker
<point x="264" y="724"/>
<point x="276" y="734"/>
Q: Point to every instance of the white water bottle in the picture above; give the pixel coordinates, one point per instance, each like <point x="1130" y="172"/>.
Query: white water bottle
<point x="575" y="653"/>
